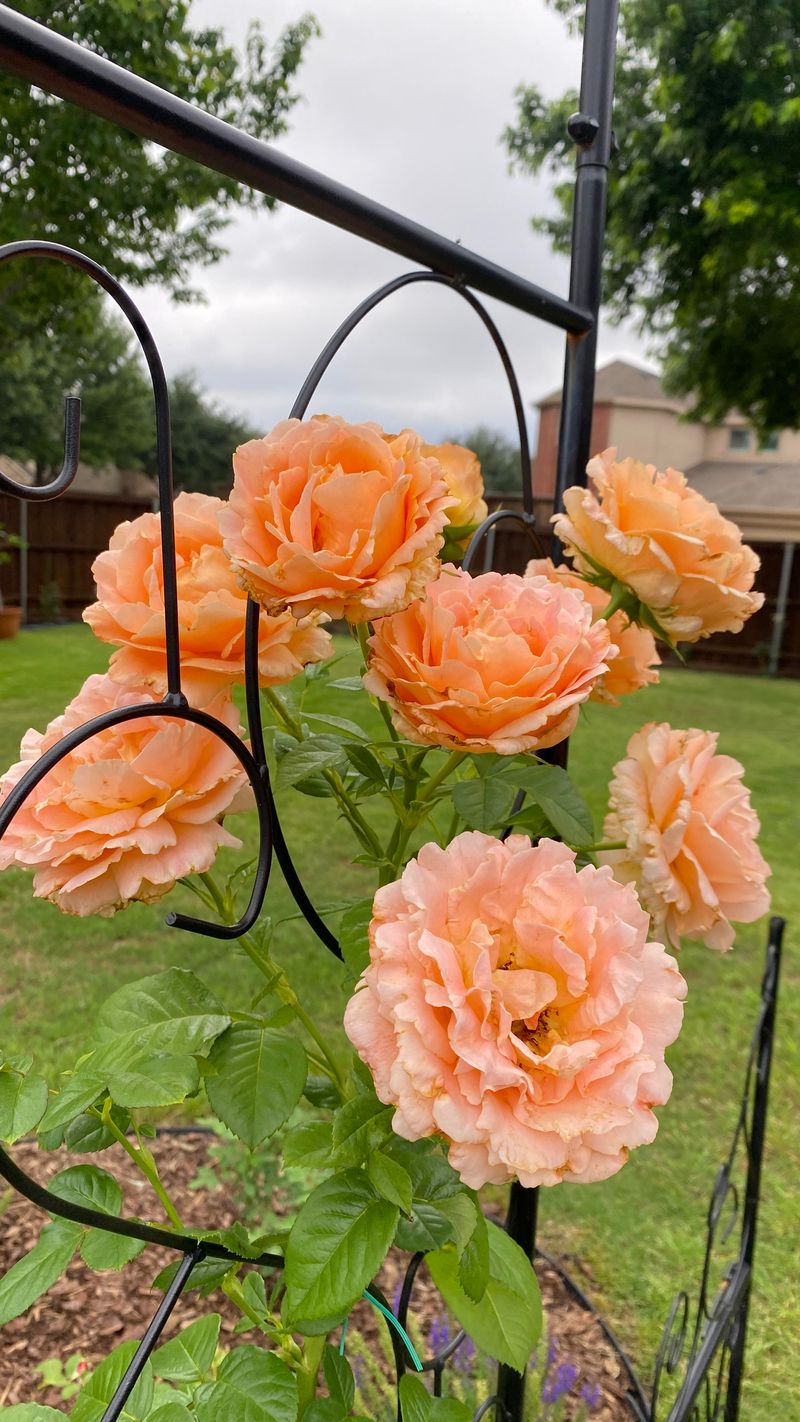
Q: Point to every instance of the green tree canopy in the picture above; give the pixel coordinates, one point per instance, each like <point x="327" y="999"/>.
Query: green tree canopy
<point x="704" y="194"/>
<point x="499" y="459"/>
<point x="148" y="215"/>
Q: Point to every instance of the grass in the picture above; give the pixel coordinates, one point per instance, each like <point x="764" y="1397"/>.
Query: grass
<point x="640" y="1234"/>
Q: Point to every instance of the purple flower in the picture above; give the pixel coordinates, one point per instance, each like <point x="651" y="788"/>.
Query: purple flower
<point x="396" y="1298"/>
<point x="464" y="1356"/>
<point x="358" y="1370"/>
<point x="440" y="1334"/>
<point x="563" y="1380"/>
<point x="592" y="1395"/>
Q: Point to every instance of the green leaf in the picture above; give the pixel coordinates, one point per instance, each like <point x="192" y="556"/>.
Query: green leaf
<point x="79" y="1091"/>
<point x="35" y="1272"/>
<point x="485" y="803"/>
<point x="324" y="1409"/>
<point x="354" y="936"/>
<point x="28" y="1412"/>
<point x="338" y="1242"/>
<point x="320" y="1091"/>
<point x="347" y="683"/>
<point x="23" y="1102"/>
<point x="358" y="1127"/>
<point x="432" y="1177"/>
<point x="507" y="1321"/>
<point x="172" y="1411"/>
<point x="252" y="1386"/>
<point x="366" y="764"/>
<point x="415" y="1400"/>
<point x="350" y="728"/>
<point x="308" y="1144"/>
<point x="205" y="1276"/>
<point x="260" y="1078"/>
<point x="101" y="1250"/>
<point x="311" y="756"/>
<point x="101" y="1385"/>
<point x="473" y="1264"/>
<point x="427" y="1229"/>
<point x="171" y="1013"/>
<point x="551" y="788"/>
<point x="339" y="1378"/>
<point x="188" y="1357"/>
<point x="89" y="1186"/>
<point x="154" y="1081"/>
<point x="390" y="1180"/>
<point x="87" y="1134"/>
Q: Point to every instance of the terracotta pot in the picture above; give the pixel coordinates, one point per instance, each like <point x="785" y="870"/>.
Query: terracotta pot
<point x="9" y="621"/>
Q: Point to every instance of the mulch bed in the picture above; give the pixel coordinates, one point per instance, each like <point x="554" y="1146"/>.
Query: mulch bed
<point x="91" y="1313"/>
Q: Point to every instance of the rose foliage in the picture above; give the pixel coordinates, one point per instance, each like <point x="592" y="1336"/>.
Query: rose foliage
<point x="509" y="996"/>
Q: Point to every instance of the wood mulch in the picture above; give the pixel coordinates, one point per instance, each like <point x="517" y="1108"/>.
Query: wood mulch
<point x="89" y="1313"/>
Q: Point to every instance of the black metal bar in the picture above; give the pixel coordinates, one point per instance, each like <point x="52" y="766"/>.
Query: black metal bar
<point x="591" y="129"/>
<point x="42" y="57"/>
<point x="756" y="1157"/>
<point x="157" y="1325"/>
<point x="523" y="1207"/>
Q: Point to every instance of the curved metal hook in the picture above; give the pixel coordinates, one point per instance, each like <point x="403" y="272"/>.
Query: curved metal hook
<point x="56" y="251"/>
<point x="39" y="493"/>
<point x="356" y="316"/>
<point x="73" y="739"/>
<point x="525" y="520"/>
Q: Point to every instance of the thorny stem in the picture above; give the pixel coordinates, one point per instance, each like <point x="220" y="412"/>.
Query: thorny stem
<point x="142" y="1159"/>
<point x="279" y="983"/>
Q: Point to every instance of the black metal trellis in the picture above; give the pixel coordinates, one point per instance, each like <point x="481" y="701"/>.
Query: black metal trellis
<point x="707" y="1342"/>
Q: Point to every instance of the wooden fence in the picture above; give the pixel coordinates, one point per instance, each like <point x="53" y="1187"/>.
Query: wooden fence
<point x="63" y="538"/>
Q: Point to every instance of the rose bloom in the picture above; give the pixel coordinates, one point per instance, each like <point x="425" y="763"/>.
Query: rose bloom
<point x="669" y="545"/>
<point x="635" y="664"/>
<point x="514" y="1006"/>
<point x="211" y="609"/>
<point x="335" y="517"/>
<point x="691" y="835"/>
<point x="134" y="808"/>
<point x="462" y="475"/>
<point x="494" y="663"/>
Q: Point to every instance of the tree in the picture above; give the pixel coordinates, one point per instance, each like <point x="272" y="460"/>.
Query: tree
<point x="703" y="230"/>
<point x="499" y="459"/>
<point x="203" y="438"/>
<point x="146" y="214"/>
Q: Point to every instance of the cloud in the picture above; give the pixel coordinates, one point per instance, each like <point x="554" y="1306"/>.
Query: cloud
<point x="403" y="100"/>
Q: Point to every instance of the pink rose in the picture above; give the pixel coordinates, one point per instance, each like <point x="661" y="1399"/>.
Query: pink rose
<point x="690" y="833"/>
<point x="128" y="812"/>
<point x="648" y="529"/>
<point x="494" y="663"/>
<point x="637" y="657"/>
<point x="337" y="518"/>
<point x="211" y="609"/>
<point x="514" y="1006"/>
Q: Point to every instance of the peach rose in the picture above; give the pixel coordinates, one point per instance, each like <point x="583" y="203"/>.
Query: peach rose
<point x="335" y="517"/>
<point x="462" y="475"/>
<point x="514" y="1007"/>
<point x="667" y="544"/>
<point x="690" y="832"/>
<point x="211" y="609"/>
<point x="635" y="664"/>
<point x="494" y="663"/>
<point x="134" y="808"/>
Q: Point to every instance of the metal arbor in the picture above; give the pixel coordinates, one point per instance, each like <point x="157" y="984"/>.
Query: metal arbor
<point x="703" y="1342"/>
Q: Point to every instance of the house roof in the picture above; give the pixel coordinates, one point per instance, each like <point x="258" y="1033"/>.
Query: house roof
<point x="621" y="382"/>
<point x="763" y="499"/>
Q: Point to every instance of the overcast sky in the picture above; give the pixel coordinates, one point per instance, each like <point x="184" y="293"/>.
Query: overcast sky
<point x="404" y="100"/>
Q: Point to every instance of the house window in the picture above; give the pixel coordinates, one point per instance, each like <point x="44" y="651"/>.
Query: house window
<point x="769" y="441"/>
<point x="739" y="439"/>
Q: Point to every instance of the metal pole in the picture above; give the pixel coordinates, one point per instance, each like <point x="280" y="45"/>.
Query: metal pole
<point x="23" y="560"/>
<point x="779" y="617"/>
<point x="591" y="130"/>
<point x="42" y="57"/>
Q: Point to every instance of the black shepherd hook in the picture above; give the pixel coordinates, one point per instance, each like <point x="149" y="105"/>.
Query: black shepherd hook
<point x="174" y="703"/>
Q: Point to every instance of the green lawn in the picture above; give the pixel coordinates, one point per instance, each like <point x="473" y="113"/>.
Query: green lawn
<point x="640" y="1234"/>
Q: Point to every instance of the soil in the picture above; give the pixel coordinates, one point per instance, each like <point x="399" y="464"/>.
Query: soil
<point x="89" y="1313"/>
